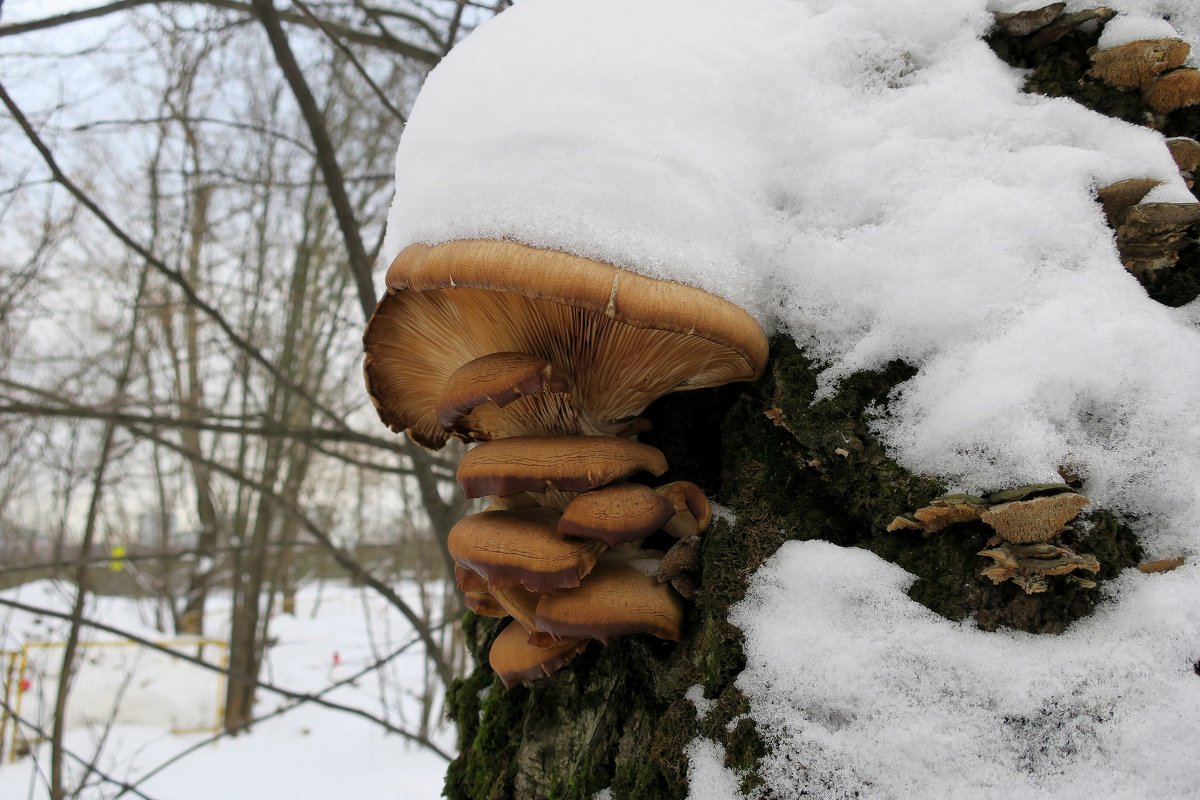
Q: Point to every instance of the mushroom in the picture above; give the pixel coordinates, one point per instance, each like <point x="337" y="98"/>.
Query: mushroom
<point x="483" y="604"/>
<point x="1173" y="91"/>
<point x="941" y="513"/>
<point x="1118" y="197"/>
<point x="616" y="599"/>
<point x="1036" y="520"/>
<point x="1186" y="153"/>
<point x="1133" y="64"/>
<point x="1023" y="23"/>
<point x="567" y="463"/>
<point x="681" y="566"/>
<point x="522" y="548"/>
<point x="547" y="359"/>
<point x="620" y="339"/>
<point x="693" y="514"/>
<point x="513" y="657"/>
<point x="492" y="382"/>
<point x="616" y="514"/>
<point x="1029" y="565"/>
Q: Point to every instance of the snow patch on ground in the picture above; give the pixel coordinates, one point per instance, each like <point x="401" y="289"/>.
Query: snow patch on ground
<point x="307" y="752"/>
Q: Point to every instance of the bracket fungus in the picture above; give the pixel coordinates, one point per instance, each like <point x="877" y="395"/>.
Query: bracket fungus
<point x="1025" y="522"/>
<point x="547" y="359"/>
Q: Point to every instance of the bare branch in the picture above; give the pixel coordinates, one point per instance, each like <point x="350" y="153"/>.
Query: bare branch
<point x="174" y="275"/>
<point x="331" y="172"/>
<point x="383" y="42"/>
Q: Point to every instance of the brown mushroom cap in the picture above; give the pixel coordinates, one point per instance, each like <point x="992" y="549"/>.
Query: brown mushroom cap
<point x="693" y="512"/>
<point x="567" y="463"/>
<point x="1036" y="520"/>
<point x="468" y="580"/>
<point x="485" y="605"/>
<point x="1132" y="64"/>
<point x="616" y="599"/>
<point x="521" y="547"/>
<point x="1123" y="195"/>
<point x="617" y="514"/>
<point x="1186" y="153"/>
<point x="621" y="339"/>
<point x="495" y="381"/>
<point x="1173" y="91"/>
<point x="514" y="658"/>
<point x="1024" y="23"/>
<point x="518" y="603"/>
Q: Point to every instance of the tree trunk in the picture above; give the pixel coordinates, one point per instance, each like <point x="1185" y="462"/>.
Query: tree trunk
<point x="788" y="468"/>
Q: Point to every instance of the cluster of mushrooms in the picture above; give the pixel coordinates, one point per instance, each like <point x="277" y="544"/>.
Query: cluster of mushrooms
<point x="1154" y="67"/>
<point x="1026" y="522"/>
<point x="1149" y="234"/>
<point x="546" y="359"/>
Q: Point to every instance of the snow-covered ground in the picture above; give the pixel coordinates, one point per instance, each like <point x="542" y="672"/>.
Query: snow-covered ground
<point x="307" y="752"/>
<point x="868" y="177"/>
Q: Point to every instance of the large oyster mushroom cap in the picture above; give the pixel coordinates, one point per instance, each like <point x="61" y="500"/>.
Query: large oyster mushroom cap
<point x="620" y="339"/>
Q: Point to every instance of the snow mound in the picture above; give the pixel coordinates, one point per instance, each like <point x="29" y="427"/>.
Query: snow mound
<point x="864" y="693"/>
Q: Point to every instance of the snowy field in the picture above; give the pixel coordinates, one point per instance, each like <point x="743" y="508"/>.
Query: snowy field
<point x="307" y="752"/>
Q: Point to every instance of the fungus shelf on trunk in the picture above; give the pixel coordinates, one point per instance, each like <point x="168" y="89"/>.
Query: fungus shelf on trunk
<point x="548" y="359"/>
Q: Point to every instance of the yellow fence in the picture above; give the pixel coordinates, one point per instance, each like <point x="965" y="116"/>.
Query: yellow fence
<point x="114" y="682"/>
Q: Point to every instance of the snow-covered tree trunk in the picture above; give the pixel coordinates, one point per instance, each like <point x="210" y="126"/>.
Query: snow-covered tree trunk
<point x="784" y="467"/>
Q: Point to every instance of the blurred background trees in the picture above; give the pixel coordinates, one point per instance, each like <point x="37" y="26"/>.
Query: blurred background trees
<point x="192" y="203"/>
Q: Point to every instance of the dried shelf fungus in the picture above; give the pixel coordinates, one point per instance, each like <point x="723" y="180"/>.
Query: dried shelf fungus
<point x="547" y="359"/>
<point x="1026" y="521"/>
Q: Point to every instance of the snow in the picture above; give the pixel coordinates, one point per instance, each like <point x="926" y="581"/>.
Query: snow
<point x="865" y="693"/>
<point x="307" y="752"/>
<point x="866" y="176"/>
<point x="1125" y="28"/>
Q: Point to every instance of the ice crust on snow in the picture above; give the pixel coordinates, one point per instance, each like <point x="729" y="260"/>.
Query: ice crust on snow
<point x="864" y="693"/>
<point x="867" y="177"/>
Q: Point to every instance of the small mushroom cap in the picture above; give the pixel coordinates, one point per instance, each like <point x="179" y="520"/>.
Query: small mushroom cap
<point x="616" y="514"/>
<point x="497" y="378"/>
<point x="1162" y="565"/>
<point x="512" y="548"/>
<point x="485" y="605"/>
<point x="693" y="512"/>
<point x="567" y="463"/>
<point x="1186" y="153"/>
<point x="513" y="657"/>
<point x="616" y="599"/>
<point x="1123" y="195"/>
<point x="469" y="581"/>
<point x="518" y="603"/>
<point x="1173" y="91"/>
<point x="621" y="339"/>
<point x="1036" y="520"/>
<point x="1132" y="64"/>
<point x="1023" y="23"/>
